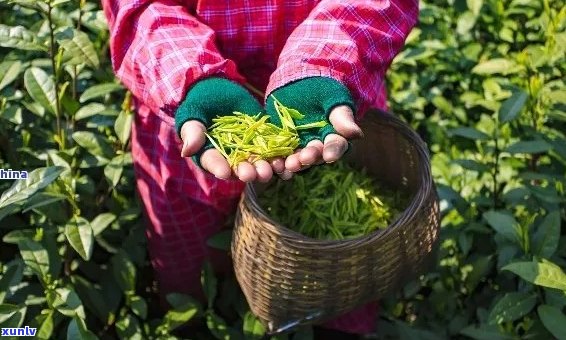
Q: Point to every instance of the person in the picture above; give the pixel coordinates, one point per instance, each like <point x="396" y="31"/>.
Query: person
<point x="188" y="61"/>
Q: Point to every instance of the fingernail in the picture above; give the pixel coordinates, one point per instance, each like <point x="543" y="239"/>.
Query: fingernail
<point x="339" y="149"/>
<point x="285" y="175"/>
<point x="357" y="130"/>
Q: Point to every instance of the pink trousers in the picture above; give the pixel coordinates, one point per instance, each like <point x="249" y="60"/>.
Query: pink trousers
<point x="184" y="207"/>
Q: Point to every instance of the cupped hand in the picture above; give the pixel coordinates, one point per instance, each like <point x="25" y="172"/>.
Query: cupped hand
<point x="334" y="146"/>
<point x="317" y="99"/>
<point x="207" y="99"/>
<point x="211" y="160"/>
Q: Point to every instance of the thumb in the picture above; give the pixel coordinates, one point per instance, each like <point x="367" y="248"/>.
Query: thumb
<point x="342" y="119"/>
<point x="192" y="134"/>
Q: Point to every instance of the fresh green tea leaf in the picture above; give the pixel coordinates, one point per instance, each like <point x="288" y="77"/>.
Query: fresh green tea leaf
<point x="77" y="330"/>
<point x="504" y="224"/>
<point x="113" y="170"/>
<point x="7" y="311"/>
<point x="219" y="328"/>
<point x="544" y="273"/>
<point x="9" y="71"/>
<point x="93" y="299"/>
<point x="21" y="38"/>
<point x="546" y="238"/>
<point x="41" y="88"/>
<point x="99" y="90"/>
<point x="45" y="330"/>
<point x="68" y="303"/>
<point x="128" y="327"/>
<point x="78" y="48"/>
<point x="101" y="222"/>
<point x="497" y="66"/>
<point x="11" y="277"/>
<point x="466" y="22"/>
<point x="35" y="256"/>
<point x="22" y="189"/>
<point x="535" y="146"/>
<point x="93" y="143"/>
<point x="92" y="109"/>
<point x="209" y="283"/>
<point x="554" y="320"/>
<point x="123" y="126"/>
<point x="511" y="108"/>
<point x="41" y="199"/>
<point x="80" y="236"/>
<point x="124" y="272"/>
<point x="475" y="6"/>
<point x="180" y="315"/>
<point x="138" y="306"/>
<point x="512" y="306"/>
<point x="253" y="329"/>
<point x="484" y="332"/>
<point x="468" y="132"/>
<point x="181" y="301"/>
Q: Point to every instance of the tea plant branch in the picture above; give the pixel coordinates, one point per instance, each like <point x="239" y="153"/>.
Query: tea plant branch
<point x="496" y="165"/>
<point x="55" y="75"/>
<point x="74" y="84"/>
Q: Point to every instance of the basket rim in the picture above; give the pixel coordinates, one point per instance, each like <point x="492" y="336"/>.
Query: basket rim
<point x="418" y="201"/>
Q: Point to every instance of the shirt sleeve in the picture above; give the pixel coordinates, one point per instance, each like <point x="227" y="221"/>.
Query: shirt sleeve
<point x="352" y="41"/>
<point x="159" y="49"/>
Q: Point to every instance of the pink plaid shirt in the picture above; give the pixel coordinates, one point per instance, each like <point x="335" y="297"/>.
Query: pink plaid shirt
<point x="161" y="47"/>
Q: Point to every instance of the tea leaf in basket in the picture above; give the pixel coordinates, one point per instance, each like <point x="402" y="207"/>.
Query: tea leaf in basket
<point x="332" y="202"/>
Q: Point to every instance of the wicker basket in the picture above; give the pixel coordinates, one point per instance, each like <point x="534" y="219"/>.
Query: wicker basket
<point x="290" y="279"/>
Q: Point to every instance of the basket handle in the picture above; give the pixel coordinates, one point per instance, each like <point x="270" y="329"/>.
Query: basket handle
<point x="292" y="324"/>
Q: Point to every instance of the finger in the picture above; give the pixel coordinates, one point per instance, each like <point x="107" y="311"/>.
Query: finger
<point x="312" y="153"/>
<point x="192" y="134"/>
<point x="246" y="172"/>
<point x="334" y="147"/>
<point x="342" y="119"/>
<point x="292" y="162"/>
<point x="286" y="175"/>
<point x="278" y="165"/>
<point x="213" y="162"/>
<point x="263" y="170"/>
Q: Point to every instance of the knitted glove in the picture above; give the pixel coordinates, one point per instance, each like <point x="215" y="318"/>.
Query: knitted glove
<point x="212" y="97"/>
<point x="314" y="97"/>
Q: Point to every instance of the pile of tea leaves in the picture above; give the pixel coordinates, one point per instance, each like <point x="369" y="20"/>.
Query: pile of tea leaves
<point x="332" y="202"/>
<point x="242" y="137"/>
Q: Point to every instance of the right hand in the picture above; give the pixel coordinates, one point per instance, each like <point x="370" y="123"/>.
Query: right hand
<point x="206" y="100"/>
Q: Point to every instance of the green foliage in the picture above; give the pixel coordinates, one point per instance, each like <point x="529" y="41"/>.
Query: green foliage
<point x="481" y="80"/>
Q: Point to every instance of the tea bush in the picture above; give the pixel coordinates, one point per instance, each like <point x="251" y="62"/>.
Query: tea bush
<point x="481" y="80"/>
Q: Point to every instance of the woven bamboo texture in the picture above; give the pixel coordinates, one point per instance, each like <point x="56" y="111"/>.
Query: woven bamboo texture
<point x="289" y="279"/>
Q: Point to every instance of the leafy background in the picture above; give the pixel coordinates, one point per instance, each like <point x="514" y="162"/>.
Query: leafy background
<point x="481" y="80"/>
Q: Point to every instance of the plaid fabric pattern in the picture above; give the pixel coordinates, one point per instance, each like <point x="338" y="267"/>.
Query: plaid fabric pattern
<point x="160" y="48"/>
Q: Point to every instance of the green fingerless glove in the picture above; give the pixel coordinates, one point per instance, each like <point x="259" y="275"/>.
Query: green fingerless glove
<point x="315" y="98"/>
<point x="212" y="97"/>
